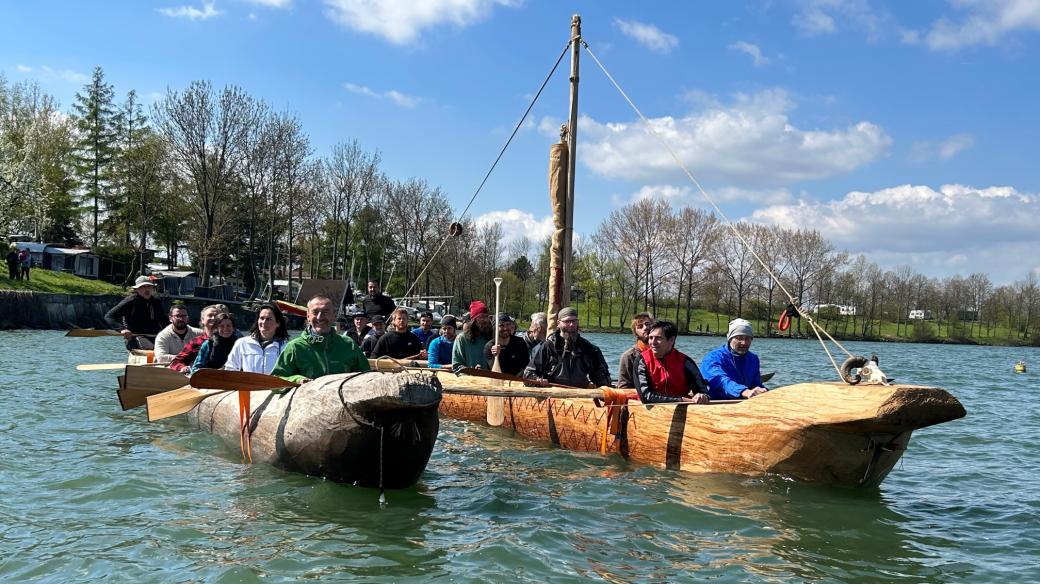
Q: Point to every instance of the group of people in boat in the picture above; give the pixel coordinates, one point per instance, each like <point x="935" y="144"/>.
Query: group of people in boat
<point x="653" y="366"/>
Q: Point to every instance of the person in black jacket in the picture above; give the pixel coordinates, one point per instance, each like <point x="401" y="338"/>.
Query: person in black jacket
<point x="566" y="358"/>
<point x="511" y="350"/>
<point x="138" y="315"/>
<point x="377" y="302"/>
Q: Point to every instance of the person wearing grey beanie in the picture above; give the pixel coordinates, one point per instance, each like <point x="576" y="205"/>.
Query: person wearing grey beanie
<point x="732" y="370"/>
<point x="567" y="358"/>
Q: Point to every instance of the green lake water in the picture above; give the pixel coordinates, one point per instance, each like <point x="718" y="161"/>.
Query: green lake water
<point x="91" y="493"/>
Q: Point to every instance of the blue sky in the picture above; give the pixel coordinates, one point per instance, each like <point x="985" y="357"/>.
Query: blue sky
<point x="906" y="131"/>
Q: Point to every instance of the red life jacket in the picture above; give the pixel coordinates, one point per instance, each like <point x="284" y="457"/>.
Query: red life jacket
<point x="667" y="377"/>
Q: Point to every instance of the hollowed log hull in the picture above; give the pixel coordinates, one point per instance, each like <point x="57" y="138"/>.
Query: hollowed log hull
<point x="367" y="429"/>
<point x="827" y="433"/>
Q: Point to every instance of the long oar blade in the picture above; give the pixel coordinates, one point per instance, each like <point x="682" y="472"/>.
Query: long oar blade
<point x="143" y="377"/>
<point x="87" y="333"/>
<point x="767" y="376"/>
<point x="109" y="366"/>
<point x="175" y="402"/>
<point x="496" y="406"/>
<point x="237" y="380"/>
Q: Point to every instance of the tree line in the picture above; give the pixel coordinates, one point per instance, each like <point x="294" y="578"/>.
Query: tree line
<point x="221" y="177"/>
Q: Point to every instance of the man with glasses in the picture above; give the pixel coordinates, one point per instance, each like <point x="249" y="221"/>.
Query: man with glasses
<point x="171" y="340"/>
<point x="566" y="358"/>
<point x="641" y="324"/>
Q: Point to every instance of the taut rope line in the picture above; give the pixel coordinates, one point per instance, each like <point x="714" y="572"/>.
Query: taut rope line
<point x="791" y="299"/>
<point x="501" y="152"/>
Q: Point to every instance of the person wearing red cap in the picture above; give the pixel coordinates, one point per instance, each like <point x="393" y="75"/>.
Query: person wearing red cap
<point x="468" y="350"/>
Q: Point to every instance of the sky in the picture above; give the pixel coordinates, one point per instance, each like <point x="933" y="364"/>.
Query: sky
<point x="904" y="131"/>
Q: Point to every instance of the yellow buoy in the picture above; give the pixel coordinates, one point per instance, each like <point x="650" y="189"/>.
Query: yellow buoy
<point x="1020" y="367"/>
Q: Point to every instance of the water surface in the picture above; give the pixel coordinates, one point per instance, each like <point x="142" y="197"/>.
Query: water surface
<point x="88" y="492"/>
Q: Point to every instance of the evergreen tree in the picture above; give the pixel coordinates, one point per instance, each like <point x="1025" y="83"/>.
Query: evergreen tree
<point x="96" y="121"/>
<point x="130" y="171"/>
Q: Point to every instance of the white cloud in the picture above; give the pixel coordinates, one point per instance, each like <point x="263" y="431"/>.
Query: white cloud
<point x="944" y="150"/>
<point x="23" y="68"/>
<point x="63" y="74"/>
<point x="272" y="3"/>
<point x="751" y="141"/>
<point x="955" y="144"/>
<point x="516" y="224"/>
<point x="403" y="21"/>
<point x="647" y="35"/>
<point x="954" y="229"/>
<point x="392" y="95"/>
<point x="986" y="22"/>
<point x="822" y="17"/>
<point x="688" y="196"/>
<point x="191" y="13"/>
<point x="752" y="50"/>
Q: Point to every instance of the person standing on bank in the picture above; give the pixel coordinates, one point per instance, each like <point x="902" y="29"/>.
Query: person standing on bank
<point x="732" y="370"/>
<point x="663" y="374"/>
<point x="566" y="358"/>
<point x="25" y="258"/>
<point x="171" y="340"/>
<point x="627" y="377"/>
<point x="12" y="262"/>
<point x="439" y="351"/>
<point x="140" y="313"/>
<point x="399" y="343"/>
<point x="258" y="352"/>
<point x="378" y="303"/>
<point x="511" y="350"/>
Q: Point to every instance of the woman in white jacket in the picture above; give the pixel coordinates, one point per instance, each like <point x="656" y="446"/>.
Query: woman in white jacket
<point x="258" y="352"/>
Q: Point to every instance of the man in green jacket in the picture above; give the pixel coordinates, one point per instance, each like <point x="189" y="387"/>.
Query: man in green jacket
<point x="468" y="350"/>
<point x="319" y="350"/>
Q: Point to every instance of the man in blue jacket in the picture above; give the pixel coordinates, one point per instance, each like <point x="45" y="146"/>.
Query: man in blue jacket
<point x="732" y="370"/>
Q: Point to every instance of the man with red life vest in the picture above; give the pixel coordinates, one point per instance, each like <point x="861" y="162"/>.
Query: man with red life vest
<point x="627" y="374"/>
<point x="667" y="375"/>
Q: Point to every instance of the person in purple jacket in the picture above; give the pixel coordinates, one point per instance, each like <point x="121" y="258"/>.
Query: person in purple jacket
<point x="732" y="370"/>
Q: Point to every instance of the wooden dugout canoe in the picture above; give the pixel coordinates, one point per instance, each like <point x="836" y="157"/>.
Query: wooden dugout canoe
<point x="369" y="429"/>
<point x="828" y="433"/>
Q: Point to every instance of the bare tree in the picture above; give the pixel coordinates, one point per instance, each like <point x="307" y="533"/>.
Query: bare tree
<point x="207" y="134"/>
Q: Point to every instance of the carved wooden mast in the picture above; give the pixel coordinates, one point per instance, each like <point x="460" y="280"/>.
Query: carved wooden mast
<point x="561" y="191"/>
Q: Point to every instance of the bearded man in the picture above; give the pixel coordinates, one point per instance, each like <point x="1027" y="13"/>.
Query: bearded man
<point x="630" y="359"/>
<point x="566" y="358"/>
<point x="468" y="350"/>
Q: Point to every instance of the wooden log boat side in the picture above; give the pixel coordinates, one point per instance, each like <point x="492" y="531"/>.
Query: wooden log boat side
<point x="365" y="429"/>
<point x="828" y="433"/>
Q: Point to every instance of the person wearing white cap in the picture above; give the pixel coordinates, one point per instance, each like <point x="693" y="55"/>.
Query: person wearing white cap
<point x="140" y="313"/>
<point x="732" y="370"/>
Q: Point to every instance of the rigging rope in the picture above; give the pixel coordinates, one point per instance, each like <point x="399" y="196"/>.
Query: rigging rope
<point x="493" y="165"/>
<point x="816" y="328"/>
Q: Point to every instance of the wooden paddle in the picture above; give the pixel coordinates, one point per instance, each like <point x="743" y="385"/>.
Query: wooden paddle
<point x="86" y="333"/>
<point x="112" y="366"/>
<point x="237" y="380"/>
<point x="178" y="401"/>
<point x="141" y="381"/>
<point x="217" y="381"/>
<point x="767" y="376"/>
<point x="496" y="405"/>
<point x="474" y="372"/>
